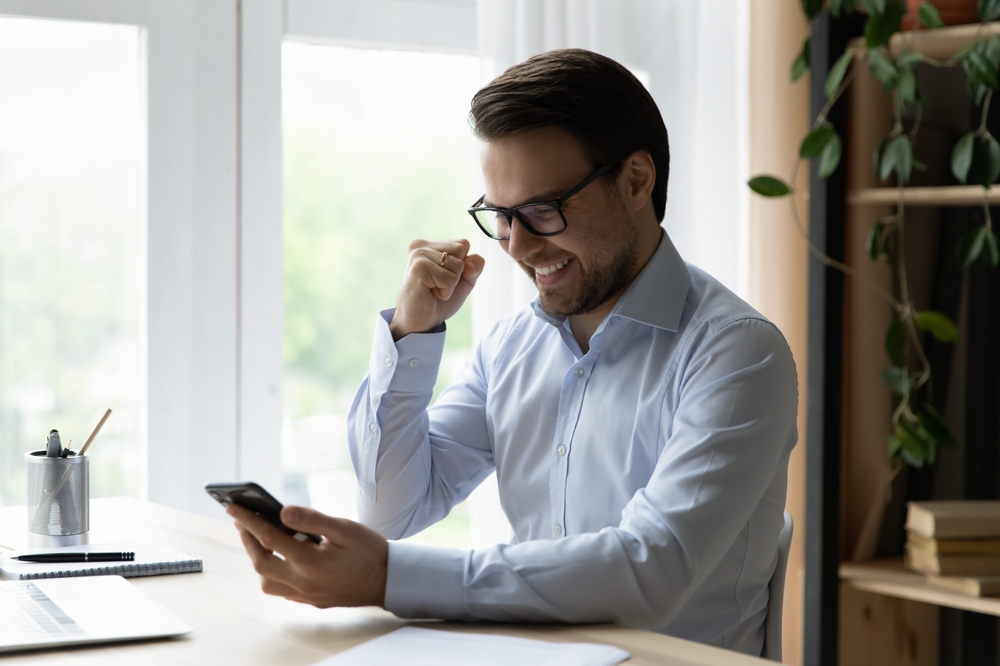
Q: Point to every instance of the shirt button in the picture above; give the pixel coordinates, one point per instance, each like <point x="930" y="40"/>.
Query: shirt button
<point x="414" y="362"/>
<point x="558" y="529"/>
<point x="371" y="426"/>
<point x="579" y="372"/>
<point x="388" y="362"/>
<point x="561" y="450"/>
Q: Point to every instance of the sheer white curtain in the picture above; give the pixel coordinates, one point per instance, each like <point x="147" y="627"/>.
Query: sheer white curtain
<point x="692" y="56"/>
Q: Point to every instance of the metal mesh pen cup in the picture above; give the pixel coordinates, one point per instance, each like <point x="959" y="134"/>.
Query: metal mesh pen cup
<point x="58" y="499"/>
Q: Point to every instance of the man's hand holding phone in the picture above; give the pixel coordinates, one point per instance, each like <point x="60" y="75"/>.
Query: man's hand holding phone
<point x="345" y="565"/>
<point x="348" y="568"/>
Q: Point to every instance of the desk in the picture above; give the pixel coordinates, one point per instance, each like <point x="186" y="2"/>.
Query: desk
<point x="235" y="623"/>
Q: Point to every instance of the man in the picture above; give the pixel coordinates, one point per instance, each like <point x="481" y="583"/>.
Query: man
<point x="639" y="415"/>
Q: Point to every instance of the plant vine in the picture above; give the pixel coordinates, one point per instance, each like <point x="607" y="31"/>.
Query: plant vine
<point x="917" y="428"/>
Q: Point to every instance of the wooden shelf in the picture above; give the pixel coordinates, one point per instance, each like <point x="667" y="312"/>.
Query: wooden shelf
<point x="951" y="195"/>
<point x="937" y="44"/>
<point x="892" y="578"/>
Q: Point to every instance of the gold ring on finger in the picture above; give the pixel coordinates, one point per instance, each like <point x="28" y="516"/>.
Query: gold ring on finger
<point x="444" y="258"/>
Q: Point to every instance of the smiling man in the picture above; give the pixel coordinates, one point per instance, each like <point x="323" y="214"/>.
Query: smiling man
<point x="639" y="416"/>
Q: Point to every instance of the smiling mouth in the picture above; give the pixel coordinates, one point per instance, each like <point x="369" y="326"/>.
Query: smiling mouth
<point x="549" y="270"/>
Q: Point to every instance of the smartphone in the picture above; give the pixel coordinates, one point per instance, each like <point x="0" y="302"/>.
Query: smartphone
<point x="258" y="500"/>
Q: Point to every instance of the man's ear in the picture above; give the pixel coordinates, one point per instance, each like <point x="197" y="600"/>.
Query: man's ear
<point x="637" y="180"/>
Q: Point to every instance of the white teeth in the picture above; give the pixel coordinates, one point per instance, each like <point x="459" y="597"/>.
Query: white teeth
<point x="549" y="270"/>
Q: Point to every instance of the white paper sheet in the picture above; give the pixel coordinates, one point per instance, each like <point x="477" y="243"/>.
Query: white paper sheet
<point x="412" y="646"/>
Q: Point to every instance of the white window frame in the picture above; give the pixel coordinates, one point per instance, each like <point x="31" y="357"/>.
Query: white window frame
<point x="211" y="320"/>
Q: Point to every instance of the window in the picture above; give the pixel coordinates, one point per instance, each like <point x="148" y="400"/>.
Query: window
<point x="71" y="179"/>
<point x="377" y="151"/>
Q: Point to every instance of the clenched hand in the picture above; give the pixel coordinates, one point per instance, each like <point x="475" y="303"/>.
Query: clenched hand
<point x="439" y="277"/>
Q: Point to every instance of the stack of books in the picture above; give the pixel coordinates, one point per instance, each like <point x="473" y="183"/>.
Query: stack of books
<point x="956" y="543"/>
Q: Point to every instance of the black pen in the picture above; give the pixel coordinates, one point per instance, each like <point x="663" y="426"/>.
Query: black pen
<point x="76" y="557"/>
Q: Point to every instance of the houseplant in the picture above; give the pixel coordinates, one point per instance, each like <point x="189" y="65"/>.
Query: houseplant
<point x="918" y="430"/>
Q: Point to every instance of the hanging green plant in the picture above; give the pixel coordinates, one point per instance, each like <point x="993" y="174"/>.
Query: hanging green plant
<point x="917" y="428"/>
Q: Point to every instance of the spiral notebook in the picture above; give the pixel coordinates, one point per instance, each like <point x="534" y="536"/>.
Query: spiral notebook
<point x="151" y="559"/>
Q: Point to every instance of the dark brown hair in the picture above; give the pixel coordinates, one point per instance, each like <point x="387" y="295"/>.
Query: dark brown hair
<point x="590" y="96"/>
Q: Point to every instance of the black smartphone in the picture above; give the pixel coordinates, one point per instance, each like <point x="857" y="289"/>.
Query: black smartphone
<point x="258" y="500"/>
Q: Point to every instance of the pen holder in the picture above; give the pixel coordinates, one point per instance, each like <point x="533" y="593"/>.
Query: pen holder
<point x="58" y="499"/>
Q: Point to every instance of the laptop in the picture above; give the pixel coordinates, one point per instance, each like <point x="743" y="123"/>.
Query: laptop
<point x="54" y="612"/>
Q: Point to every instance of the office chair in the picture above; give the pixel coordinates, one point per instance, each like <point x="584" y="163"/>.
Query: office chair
<point x="776" y="593"/>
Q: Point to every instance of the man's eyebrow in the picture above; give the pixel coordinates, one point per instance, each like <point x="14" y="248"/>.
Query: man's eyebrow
<point x="550" y="195"/>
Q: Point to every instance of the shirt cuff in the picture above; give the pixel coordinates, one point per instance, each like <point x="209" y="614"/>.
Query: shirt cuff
<point x="425" y="581"/>
<point x="409" y="365"/>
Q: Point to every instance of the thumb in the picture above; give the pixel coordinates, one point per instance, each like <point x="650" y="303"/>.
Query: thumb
<point x="304" y="519"/>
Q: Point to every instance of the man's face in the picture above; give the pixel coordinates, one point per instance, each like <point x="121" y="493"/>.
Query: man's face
<point x="594" y="259"/>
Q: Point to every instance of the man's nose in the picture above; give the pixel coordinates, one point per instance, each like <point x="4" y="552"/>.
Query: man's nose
<point x="522" y="242"/>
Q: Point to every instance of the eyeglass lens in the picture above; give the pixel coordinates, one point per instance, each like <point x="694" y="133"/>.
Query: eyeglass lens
<point x="539" y="218"/>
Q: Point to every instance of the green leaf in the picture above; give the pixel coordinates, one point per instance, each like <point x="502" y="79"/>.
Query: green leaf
<point x="882" y="68"/>
<point x="989" y="10"/>
<point x="992" y="253"/>
<point x="873" y="244"/>
<point x="980" y="69"/>
<point x="929" y="16"/>
<point x="801" y="65"/>
<point x="961" y="157"/>
<point x="902" y="150"/>
<point x="895" y="343"/>
<point x="937" y="324"/>
<point x="816" y="141"/>
<point x="812" y="8"/>
<point x="838" y="7"/>
<point x="912" y="448"/>
<point x="769" y="186"/>
<point x="892" y="446"/>
<point x="830" y="157"/>
<point x="970" y="245"/>
<point x="907" y="59"/>
<point x="993" y="151"/>
<point x="836" y="75"/>
<point x="978" y="91"/>
<point x="933" y="423"/>
<point x="980" y="61"/>
<point x="873" y="6"/>
<point x="887" y="164"/>
<point x="893" y="378"/>
<point x="881" y="26"/>
<point x="897" y="155"/>
<point x="907" y="86"/>
<point x="985" y="161"/>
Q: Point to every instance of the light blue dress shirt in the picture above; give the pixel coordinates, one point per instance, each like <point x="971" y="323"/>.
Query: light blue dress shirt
<point x="645" y="480"/>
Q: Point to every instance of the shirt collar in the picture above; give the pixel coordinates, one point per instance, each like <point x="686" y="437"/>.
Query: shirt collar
<point x="656" y="296"/>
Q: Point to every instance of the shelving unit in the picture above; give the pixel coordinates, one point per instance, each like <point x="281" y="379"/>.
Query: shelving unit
<point x="893" y="579"/>
<point x="847" y="324"/>
<point x="946" y="195"/>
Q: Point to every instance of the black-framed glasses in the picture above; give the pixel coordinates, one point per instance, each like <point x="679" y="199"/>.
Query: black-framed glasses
<point x="542" y="218"/>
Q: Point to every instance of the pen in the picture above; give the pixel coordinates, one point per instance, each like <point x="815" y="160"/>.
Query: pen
<point x="76" y="557"/>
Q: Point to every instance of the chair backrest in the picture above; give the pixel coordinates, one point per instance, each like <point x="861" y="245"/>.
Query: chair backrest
<point x="776" y="593"/>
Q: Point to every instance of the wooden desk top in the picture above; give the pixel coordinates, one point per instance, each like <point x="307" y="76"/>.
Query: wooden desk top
<point x="235" y="623"/>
